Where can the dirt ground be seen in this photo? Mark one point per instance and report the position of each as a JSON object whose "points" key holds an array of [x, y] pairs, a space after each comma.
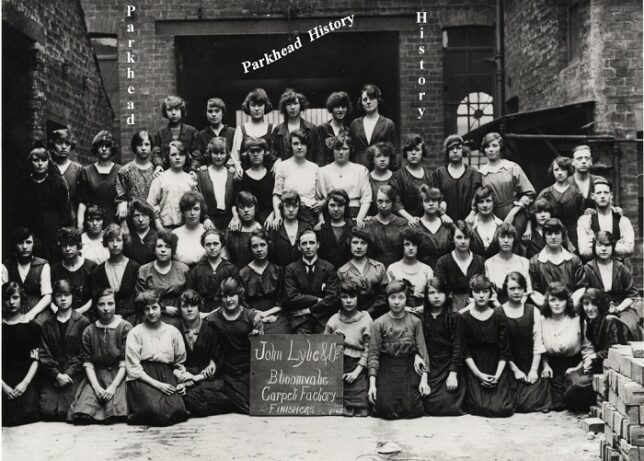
{"points": [[552, 437]]}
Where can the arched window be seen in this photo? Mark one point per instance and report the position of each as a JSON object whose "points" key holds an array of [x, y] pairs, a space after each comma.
{"points": [[474, 110]]}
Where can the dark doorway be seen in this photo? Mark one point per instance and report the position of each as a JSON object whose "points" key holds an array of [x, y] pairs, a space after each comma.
{"points": [[18, 61], [210, 66]]}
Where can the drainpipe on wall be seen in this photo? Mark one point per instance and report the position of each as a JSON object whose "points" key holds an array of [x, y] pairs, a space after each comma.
{"points": [[500, 62]]}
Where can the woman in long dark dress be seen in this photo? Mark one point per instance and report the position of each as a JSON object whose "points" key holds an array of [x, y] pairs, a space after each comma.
{"points": [[234, 324], [456, 180], [20, 342], [444, 337], [567, 349], [531, 393], [60, 355], [335, 234], [437, 235], [42, 204], [100, 397], [97, 182], [458, 267], [154, 357], [139, 246], [611, 276], [398, 360], [217, 185], [385, 228], [237, 240], [284, 240], [204, 387], [262, 281], [487, 350], [372, 127]]}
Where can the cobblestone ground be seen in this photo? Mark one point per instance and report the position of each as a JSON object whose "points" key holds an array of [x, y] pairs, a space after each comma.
{"points": [[552, 437]]}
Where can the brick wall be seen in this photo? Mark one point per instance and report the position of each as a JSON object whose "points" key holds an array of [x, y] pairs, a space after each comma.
{"points": [[608, 71], [155, 67], [67, 86]]}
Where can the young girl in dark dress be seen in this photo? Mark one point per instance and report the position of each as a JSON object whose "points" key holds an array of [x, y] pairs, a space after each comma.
{"points": [[32, 274], [458, 267], [154, 357], [20, 342], [372, 127], [237, 240], [603, 330], [263, 282], [382, 162], [613, 277], [407, 180], [140, 245], [75, 269], [487, 350], [533, 237], [456, 180], [284, 239], [256, 105], [100, 397], [257, 180], [385, 228], [443, 331], [118, 273], [335, 234], [566, 348], [355, 326], [339, 106], [398, 360], [485, 224], [234, 324], [291, 106], [206, 277], [567, 202], [97, 182], [531, 393], [42, 204], [437, 235], [60, 355], [204, 387]]}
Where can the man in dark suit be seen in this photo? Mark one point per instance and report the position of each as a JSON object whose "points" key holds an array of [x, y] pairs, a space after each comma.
{"points": [[310, 287]]}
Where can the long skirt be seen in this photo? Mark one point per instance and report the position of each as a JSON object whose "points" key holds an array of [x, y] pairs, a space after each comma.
{"points": [[632, 319], [55, 401], [24, 409], [441, 402], [532, 397], [207, 398], [151, 407], [86, 406], [355, 398], [562, 394], [236, 389], [495, 402], [397, 389]]}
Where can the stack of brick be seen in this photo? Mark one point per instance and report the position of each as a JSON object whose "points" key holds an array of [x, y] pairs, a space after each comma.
{"points": [[620, 398]]}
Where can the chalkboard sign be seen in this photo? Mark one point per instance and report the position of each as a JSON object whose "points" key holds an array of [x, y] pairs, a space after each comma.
{"points": [[296, 375]]}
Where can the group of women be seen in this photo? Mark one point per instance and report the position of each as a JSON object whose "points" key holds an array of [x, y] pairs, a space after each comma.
{"points": [[133, 291]]}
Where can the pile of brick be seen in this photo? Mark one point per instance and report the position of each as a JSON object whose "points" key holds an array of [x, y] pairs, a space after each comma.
{"points": [[620, 399]]}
